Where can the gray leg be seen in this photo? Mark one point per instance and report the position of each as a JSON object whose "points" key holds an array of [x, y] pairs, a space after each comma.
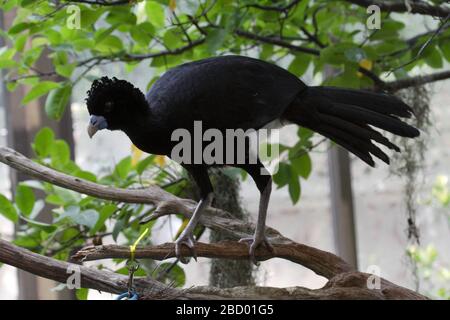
{"points": [[187, 236], [259, 237]]}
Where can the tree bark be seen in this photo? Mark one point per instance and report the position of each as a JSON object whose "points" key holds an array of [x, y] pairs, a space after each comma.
{"points": [[344, 282]]}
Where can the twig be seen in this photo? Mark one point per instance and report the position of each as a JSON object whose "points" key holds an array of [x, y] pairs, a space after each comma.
{"points": [[418, 7], [424, 46]]}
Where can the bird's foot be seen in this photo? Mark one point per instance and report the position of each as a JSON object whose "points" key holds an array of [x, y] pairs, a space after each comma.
{"points": [[254, 243], [188, 241]]}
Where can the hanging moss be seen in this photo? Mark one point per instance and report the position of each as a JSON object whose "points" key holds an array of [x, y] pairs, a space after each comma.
{"points": [[409, 163]]}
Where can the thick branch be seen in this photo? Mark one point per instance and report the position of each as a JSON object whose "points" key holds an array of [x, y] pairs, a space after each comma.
{"points": [[416, 81], [323, 263], [418, 7], [349, 285], [151, 195], [343, 283]]}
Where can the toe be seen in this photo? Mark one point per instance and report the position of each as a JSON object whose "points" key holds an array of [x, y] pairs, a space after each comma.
{"points": [[188, 242], [268, 245]]}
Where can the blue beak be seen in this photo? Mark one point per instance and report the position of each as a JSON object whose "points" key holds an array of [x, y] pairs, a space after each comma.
{"points": [[96, 123]]}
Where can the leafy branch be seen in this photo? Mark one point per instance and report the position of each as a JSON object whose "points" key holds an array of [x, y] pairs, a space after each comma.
{"points": [[344, 282]]}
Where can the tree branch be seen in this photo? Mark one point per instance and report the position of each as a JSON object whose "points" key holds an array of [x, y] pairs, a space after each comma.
{"points": [[103, 2], [321, 262], [418, 7], [416, 81], [283, 9], [346, 285], [276, 41], [344, 282]]}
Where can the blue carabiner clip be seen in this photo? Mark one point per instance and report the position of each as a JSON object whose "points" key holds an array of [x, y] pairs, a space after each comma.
{"points": [[132, 296]]}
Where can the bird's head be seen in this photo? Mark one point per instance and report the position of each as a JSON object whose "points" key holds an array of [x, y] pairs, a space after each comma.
{"points": [[114, 104]]}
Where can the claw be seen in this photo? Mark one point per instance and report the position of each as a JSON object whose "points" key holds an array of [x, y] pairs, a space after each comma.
{"points": [[254, 243], [188, 241]]}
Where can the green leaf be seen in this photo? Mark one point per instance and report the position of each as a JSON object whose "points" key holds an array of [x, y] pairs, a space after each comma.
{"points": [[40, 225], [143, 164], [118, 227], [109, 44], [294, 188], [215, 39], [123, 168], [355, 54], [142, 33], [299, 64], [43, 142], [140, 272], [86, 218], [336, 54], [25, 199], [38, 90], [83, 44], [86, 175], [62, 197], [7, 209], [155, 13], [7, 63], [82, 293], [302, 165], [65, 70], [304, 133], [57, 101], [433, 57], [445, 48], [171, 39], [19, 27], [175, 276], [60, 153], [104, 214], [282, 176]]}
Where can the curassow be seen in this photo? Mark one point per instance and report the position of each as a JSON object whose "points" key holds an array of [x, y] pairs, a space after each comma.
{"points": [[235, 92]]}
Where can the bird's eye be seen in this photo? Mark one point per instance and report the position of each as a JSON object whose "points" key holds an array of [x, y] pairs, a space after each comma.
{"points": [[108, 106]]}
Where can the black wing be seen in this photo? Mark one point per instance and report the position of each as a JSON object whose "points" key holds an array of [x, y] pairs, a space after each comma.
{"points": [[223, 92]]}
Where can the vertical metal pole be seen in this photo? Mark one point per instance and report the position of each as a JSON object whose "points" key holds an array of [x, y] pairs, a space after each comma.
{"points": [[342, 204], [342, 198]]}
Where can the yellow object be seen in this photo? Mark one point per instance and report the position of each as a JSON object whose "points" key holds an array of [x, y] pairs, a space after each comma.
{"points": [[133, 247], [160, 160], [172, 5], [366, 64], [136, 155]]}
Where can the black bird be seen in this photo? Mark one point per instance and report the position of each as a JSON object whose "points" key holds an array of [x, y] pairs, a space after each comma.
{"points": [[235, 92]]}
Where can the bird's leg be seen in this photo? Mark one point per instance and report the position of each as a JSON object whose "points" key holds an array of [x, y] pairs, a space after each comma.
{"points": [[187, 236], [259, 237]]}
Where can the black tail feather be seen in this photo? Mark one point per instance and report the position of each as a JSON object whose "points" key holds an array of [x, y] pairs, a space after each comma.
{"points": [[346, 116], [378, 102]]}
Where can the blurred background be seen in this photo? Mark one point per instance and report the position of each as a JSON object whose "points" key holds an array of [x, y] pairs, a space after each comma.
{"points": [[368, 226]]}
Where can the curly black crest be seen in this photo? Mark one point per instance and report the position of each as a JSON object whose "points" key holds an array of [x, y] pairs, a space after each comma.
{"points": [[105, 89]]}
